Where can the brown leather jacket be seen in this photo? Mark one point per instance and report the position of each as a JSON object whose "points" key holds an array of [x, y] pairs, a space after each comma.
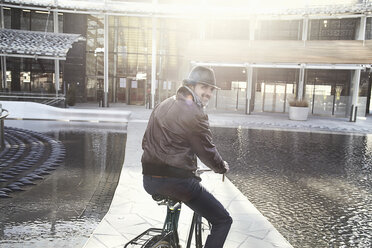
{"points": [[177, 132]]}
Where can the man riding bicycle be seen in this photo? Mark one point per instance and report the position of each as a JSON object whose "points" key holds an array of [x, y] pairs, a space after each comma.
{"points": [[177, 133]]}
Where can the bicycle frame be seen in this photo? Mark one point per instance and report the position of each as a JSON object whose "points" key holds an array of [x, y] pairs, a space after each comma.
{"points": [[168, 235], [170, 228], [152, 236]]}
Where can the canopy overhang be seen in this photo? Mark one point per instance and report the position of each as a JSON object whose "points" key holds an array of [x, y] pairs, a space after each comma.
{"points": [[285, 65], [347, 52], [36, 45]]}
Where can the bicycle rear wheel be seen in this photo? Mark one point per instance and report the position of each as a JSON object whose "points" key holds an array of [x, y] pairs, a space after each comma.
{"points": [[162, 244], [157, 242]]}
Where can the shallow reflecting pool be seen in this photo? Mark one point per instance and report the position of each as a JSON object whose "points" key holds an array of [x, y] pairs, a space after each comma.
{"points": [[64, 208], [315, 188]]}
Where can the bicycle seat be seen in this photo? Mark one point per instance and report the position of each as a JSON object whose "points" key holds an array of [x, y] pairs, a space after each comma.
{"points": [[165, 200], [158, 197]]}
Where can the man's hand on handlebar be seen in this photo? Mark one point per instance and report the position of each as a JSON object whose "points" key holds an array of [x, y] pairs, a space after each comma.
{"points": [[227, 170], [226, 166]]}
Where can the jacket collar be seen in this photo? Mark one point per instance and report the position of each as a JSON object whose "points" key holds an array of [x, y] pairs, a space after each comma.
{"points": [[184, 91]]}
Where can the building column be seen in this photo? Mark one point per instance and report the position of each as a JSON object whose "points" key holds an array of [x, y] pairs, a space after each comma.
{"points": [[202, 23], [360, 35], [301, 80], [305, 28], [56, 61], [106, 61], [16, 62], [3, 72], [355, 93], [153, 60], [252, 28], [2, 17], [3, 58], [249, 70], [301, 83], [361, 32], [115, 80]]}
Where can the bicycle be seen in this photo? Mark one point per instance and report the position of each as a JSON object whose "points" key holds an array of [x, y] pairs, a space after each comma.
{"points": [[167, 237]]}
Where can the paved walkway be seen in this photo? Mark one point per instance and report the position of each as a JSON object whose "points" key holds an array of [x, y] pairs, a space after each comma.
{"points": [[363, 125], [133, 211]]}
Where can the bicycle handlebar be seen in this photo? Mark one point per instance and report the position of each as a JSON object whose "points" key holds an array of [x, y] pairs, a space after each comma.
{"points": [[198, 172]]}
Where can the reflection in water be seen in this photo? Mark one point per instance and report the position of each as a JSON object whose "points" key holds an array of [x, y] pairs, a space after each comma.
{"points": [[314, 188], [63, 209]]}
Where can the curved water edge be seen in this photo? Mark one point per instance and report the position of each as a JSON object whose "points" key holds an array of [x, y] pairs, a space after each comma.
{"points": [[315, 188], [65, 207]]}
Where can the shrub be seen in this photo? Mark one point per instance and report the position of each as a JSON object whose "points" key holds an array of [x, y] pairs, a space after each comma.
{"points": [[299, 103]]}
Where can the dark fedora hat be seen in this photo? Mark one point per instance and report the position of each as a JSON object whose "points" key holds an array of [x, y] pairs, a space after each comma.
{"points": [[201, 75]]}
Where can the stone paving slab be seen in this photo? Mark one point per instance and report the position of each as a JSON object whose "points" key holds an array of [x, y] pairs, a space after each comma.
{"points": [[132, 210]]}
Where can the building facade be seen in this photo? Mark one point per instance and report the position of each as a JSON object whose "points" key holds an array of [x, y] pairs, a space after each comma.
{"points": [[261, 61]]}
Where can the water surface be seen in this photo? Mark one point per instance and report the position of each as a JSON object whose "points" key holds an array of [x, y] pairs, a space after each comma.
{"points": [[63, 209], [315, 188]]}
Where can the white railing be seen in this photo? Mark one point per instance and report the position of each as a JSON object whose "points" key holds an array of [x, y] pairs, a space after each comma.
{"points": [[37, 111]]}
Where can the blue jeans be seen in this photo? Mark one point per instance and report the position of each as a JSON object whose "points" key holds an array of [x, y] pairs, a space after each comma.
{"points": [[196, 197]]}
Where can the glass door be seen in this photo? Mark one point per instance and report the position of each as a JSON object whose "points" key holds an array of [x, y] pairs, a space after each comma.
{"points": [[340, 100], [274, 98], [322, 99], [268, 100], [327, 99], [279, 98], [137, 92]]}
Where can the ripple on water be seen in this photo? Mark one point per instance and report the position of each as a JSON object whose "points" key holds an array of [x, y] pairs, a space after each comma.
{"points": [[66, 233]]}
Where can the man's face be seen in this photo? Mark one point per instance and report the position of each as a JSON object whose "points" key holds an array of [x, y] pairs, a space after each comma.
{"points": [[204, 92]]}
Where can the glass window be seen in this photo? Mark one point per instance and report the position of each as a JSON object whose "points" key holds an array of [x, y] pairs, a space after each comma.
{"points": [[41, 21], [369, 29], [43, 83], [333, 29], [227, 29], [279, 30], [25, 20], [60, 22], [7, 18], [92, 86], [25, 81]]}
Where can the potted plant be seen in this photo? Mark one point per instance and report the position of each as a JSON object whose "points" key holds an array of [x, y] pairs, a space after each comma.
{"points": [[298, 110]]}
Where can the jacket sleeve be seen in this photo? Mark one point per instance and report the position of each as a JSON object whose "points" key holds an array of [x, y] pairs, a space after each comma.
{"points": [[201, 143]]}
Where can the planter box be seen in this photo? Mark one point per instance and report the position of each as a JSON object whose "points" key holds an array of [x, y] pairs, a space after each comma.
{"points": [[298, 113]]}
